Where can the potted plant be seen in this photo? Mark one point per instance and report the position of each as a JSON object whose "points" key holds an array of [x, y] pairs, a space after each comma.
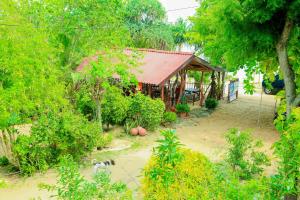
{"points": [[182, 109]]}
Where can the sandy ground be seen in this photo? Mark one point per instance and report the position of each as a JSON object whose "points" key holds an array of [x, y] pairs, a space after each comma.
{"points": [[204, 134]]}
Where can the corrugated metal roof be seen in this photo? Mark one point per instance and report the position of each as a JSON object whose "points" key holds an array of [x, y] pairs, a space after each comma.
{"points": [[156, 66]]}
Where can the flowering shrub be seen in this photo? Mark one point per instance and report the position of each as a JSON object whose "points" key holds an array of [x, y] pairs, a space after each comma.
{"points": [[177, 173]]}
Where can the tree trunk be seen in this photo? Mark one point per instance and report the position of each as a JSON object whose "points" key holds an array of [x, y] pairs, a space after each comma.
{"points": [[98, 114], [288, 73], [289, 78]]}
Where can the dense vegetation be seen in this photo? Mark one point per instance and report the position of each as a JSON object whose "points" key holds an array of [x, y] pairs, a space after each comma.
{"points": [[38, 84], [42, 42], [174, 172], [259, 36]]}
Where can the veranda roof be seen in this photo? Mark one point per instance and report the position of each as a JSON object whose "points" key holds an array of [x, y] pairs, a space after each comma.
{"points": [[157, 66]]}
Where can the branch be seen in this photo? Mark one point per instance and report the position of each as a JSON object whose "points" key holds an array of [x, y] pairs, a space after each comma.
{"points": [[296, 101]]}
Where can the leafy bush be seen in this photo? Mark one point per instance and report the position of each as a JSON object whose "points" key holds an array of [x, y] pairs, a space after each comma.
{"points": [[242, 156], [211, 103], [286, 182], [182, 108], [169, 117], [84, 103], [175, 173], [53, 136], [229, 186], [104, 140], [71, 185], [4, 161], [114, 106], [147, 112]]}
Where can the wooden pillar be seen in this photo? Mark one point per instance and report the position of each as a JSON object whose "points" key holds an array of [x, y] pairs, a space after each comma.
{"points": [[201, 89], [219, 86], [223, 84], [150, 90], [182, 85], [162, 93]]}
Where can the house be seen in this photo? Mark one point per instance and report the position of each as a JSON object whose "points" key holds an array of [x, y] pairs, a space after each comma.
{"points": [[164, 73]]}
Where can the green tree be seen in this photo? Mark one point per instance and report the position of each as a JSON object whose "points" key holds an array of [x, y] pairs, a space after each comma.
{"points": [[79, 28], [146, 20], [251, 34], [29, 77], [179, 30], [96, 76]]}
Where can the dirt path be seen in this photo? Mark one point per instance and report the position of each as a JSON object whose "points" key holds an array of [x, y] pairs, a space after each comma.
{"points": [[204, 134]]}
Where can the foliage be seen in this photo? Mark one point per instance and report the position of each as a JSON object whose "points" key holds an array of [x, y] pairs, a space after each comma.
{"points": [[114, 106], [72, 185], [229, 186], [96, 77], [2, 183], [179, 30], [175, 173], [53, 136], [78, 29], [242, 155], [182, 108], [147, 112], [251, 35], [84, 103], [146, 21], [211, 103], [104, 140], [288, 150], [169, 117], [3, 161], [29, 76]]}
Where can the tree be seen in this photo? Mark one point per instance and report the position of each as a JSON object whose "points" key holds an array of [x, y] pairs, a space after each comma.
{"points": [[30, 79], [146, 20], [254, 35], [179, 30], [79, 28], [97, 76]]}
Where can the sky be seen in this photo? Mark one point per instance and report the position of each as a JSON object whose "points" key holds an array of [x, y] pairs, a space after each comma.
{"points": [[171, 7]]}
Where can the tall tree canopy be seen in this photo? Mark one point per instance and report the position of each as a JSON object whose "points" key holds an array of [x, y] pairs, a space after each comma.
{"points": [[79, 28], [146, 20], [29, 76], [252, 34], [179, 30]]}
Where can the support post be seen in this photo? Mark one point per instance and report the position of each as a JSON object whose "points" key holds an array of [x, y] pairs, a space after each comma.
{"points": [[182, 85], [150, 90], [201, 89], [162, 93]]}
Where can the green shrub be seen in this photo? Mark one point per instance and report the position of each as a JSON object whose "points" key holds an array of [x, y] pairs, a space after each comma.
{"points": [[182, 108], [229, 186], [114, 106], [84, 103], [3, 161], [176, 173], [211, 103], [71, 185], [169, 117], [243, 156], [286, 181], [53, 136], [147, 112]]}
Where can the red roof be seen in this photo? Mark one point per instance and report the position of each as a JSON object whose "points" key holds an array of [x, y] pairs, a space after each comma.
{"points": [[155, 66]]}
